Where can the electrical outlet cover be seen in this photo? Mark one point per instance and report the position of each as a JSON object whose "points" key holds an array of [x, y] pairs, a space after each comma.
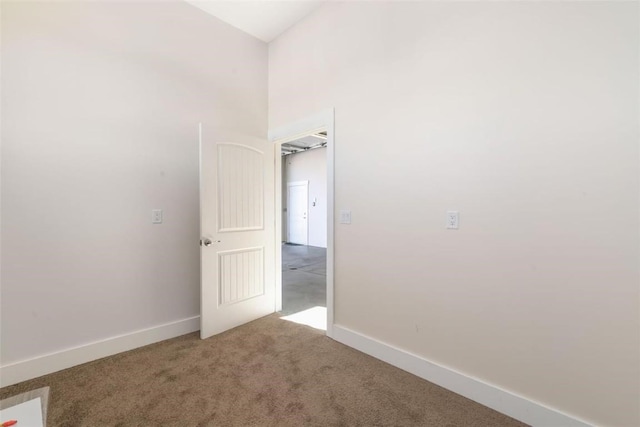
{"points": [[453, 220]]}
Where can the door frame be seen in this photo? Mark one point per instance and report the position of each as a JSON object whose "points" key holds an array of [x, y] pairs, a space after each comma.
{"points": [[321, 121], [296, 184]]}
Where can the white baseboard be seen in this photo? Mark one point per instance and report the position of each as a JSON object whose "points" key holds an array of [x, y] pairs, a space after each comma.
{"points": [[510, 404], [53, 362]]}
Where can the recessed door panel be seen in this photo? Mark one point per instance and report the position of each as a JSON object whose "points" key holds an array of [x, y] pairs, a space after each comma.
{"points": [[241, 275], [240, 188]]}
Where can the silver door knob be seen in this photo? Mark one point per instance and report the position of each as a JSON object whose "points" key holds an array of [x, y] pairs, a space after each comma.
{"points": [[207, 242]]}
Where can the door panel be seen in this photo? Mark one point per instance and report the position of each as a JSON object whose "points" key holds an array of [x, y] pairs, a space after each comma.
{"points": [[241, 275], [237, 229], [297, 206], [241, 188]]}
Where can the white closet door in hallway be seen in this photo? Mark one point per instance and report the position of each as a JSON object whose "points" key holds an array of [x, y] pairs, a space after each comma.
{"points": [[297, 212]]}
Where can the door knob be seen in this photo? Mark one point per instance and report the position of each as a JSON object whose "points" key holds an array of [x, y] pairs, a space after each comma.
{"points": [[207, 242]]}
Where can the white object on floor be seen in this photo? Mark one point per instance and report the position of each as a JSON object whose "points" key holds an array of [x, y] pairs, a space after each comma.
{"points": [[28, 414]]}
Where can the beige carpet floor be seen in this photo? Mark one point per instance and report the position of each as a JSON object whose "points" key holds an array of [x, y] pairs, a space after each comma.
{"points": [[269, 372]]}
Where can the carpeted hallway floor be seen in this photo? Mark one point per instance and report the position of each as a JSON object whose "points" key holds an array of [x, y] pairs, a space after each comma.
{"points": [[269, 372]]}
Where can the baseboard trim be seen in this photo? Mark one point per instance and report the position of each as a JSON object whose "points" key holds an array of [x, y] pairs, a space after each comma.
{"points": [[46, 364], [508, 403]]}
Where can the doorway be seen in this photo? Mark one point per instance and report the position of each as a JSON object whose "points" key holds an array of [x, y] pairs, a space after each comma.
{"points": [[305, 278], [304, 243]]}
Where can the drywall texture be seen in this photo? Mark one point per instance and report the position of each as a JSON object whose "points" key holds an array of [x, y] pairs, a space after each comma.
{"points": [[100, 109], [524, 117], [310, 166]]}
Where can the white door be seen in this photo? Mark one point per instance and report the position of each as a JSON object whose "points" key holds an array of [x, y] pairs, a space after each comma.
{"points": [[297, 208], [237, 280]]}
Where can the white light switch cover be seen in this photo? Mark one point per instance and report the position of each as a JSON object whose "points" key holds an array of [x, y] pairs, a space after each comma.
{"points": [[156, 216]]}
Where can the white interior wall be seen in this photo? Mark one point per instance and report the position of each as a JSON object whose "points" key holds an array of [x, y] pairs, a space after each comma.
{"points": [[310, 166], [100, 109], [524, 117]]}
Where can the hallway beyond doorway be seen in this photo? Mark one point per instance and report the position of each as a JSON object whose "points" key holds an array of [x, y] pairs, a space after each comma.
{"points": [[304, 278]]}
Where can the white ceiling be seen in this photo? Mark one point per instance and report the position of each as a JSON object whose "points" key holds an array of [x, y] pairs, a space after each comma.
{"points": [[264, 19]]}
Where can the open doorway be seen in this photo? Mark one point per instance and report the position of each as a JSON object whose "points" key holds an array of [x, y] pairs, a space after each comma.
{"points": [[293, 141], [304, 224]]}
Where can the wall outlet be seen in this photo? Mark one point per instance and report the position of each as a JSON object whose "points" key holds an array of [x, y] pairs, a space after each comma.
{"points": [[453, 220], [156, 216]]}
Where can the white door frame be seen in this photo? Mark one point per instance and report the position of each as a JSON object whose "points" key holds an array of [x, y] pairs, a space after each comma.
{"points": [[293, 184], [321, 121]]}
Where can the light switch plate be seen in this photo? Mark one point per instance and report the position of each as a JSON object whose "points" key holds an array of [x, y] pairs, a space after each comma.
{"points": [[156, 216], [345, 217]]}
